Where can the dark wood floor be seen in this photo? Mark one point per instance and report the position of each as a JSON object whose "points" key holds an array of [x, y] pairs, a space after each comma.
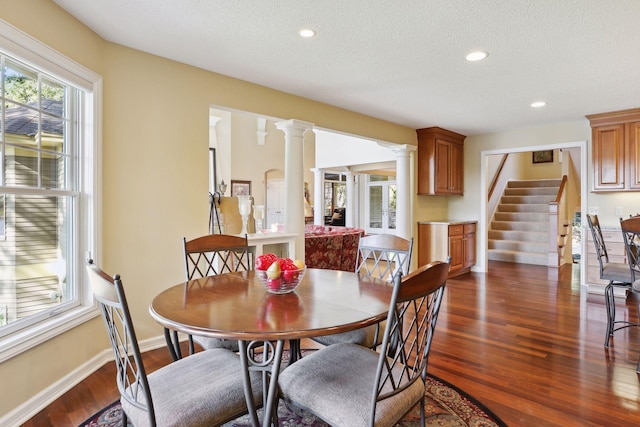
{"points": [[521, 339]]}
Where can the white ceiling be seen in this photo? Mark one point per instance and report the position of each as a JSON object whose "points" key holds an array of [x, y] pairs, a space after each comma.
{"points": [[402, 61]]}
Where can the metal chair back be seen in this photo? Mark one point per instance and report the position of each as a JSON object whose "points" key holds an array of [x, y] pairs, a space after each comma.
{"points": [[131, 376], [384, 255], [598, 241], [216, 254], [411, 324], [631, 235]]}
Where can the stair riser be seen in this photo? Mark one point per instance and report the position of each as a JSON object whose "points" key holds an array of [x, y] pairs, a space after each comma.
{"points": [[521, 216], [518, 257], [535, 226], [523, 208], [532, 191], [510, 245], [527, 200], [537, 183], [518, 236]]}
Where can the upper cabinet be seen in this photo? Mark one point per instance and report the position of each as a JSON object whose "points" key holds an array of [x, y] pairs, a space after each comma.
{"points": [[440, 162], [616, 150]]}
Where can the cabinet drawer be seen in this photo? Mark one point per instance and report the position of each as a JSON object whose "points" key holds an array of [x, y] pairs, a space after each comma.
{"points": [[456, 230], [469, 228]]}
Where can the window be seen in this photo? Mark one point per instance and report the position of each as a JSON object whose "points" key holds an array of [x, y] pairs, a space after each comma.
{"points": [[47, 191], [335, 192]]}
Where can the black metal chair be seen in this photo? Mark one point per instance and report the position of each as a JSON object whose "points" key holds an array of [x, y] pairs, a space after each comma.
{"points": [[351, 385], [381, 256], [209, 384], [631, 234], [616, 273]]}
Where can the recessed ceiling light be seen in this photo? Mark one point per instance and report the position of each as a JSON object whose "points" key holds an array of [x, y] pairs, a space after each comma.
{"points": [[476, 56], [307, 32], [538, 104]]}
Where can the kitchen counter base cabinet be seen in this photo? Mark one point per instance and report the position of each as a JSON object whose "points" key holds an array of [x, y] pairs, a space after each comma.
{"points": [[439, 240]]}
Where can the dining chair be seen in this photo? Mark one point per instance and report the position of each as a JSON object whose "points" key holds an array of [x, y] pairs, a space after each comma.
{"points": [[351, 385], [211, 255], [203, 389], [631, 235], [381, 256], [617, 273]]}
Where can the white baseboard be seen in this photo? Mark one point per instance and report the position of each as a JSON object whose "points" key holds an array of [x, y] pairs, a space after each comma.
{"points": [[42, 399], [618, 292]]}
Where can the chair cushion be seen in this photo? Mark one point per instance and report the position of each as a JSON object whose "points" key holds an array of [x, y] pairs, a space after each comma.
{"points": [[362, 336], [210, 343], [203, 389], [336, 383], [616, 271]]}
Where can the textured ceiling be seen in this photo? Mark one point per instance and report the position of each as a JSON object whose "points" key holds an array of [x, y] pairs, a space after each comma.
{"points": [[402, 61]]}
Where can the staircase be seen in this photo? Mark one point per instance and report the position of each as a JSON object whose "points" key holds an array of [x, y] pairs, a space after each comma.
{"points": [[519, 231]]}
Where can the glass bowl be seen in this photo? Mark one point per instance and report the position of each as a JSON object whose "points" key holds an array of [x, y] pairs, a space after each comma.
{"points": [[286, 282]]}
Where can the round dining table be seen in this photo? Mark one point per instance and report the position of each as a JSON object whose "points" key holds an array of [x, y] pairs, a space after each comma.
{"points": [[238, 306]]}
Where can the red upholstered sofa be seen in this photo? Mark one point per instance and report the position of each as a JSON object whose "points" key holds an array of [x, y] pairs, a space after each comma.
{"points": [[331, 247]]}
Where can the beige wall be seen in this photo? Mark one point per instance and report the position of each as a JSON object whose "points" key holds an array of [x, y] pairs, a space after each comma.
{"points": [[155, 173]]}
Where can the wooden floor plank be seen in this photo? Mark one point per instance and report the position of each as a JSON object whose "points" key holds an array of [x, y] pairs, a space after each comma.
{"points": [[521, 339]]}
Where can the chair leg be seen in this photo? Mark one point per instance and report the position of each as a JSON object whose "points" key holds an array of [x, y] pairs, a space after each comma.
{"points": [[422, 414], [125, 420], [611, 311]]}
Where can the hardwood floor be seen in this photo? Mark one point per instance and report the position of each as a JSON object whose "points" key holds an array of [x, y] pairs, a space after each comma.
{"points": [[520, 339]]}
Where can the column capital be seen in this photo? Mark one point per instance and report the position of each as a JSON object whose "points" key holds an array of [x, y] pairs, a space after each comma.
{"points": [[293, 124], [399, 150]]}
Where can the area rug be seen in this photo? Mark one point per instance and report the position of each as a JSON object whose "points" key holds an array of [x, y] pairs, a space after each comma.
{"points": [[445, 406]]}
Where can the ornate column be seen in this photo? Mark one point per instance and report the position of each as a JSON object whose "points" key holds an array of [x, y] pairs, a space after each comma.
{"points": [[350, 202], [403, 188], [318, 196], [294, 179]]}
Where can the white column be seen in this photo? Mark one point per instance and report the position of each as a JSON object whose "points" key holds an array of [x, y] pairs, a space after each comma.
{"points": [[403, 188], [294, 179], [350, 202], [318, 196]]}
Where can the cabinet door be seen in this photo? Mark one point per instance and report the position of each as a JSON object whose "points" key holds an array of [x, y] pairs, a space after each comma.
{"points": [[456, 169], [633, 164], [442, 171], [608, 157], [469, 241], [456, 252]]}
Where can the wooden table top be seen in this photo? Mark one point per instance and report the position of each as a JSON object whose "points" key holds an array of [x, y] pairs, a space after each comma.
{"points": [[237, 305]]}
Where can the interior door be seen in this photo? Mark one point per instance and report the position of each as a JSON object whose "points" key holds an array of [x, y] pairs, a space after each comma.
{"points": [[275, 202], [381, 207]]}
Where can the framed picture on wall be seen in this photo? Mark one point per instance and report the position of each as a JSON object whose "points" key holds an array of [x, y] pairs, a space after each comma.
{"points": [[240, 188], [545, 156]]}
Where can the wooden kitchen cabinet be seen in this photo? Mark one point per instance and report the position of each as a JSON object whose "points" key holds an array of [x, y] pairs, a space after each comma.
{"points": [[616, 150], [440, 162], [438, 240]]}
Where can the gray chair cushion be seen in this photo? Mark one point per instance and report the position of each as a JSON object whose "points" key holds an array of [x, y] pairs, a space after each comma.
{"points": [[617, 272], [203, 389], [210, 343], [336, 383], [362, 336]]}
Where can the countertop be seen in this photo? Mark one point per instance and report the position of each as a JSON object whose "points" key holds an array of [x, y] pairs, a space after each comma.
{"points": [[449, 222]]}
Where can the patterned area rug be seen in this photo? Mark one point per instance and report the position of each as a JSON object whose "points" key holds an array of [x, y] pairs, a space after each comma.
{"points": [[445, 405]]}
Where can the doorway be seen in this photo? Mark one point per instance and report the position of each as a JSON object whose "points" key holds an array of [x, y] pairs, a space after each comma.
{"points": [[483, 236], [380, 212]]}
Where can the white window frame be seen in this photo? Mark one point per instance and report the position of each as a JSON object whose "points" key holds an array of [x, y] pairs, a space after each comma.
{"points": [[25, 48]]}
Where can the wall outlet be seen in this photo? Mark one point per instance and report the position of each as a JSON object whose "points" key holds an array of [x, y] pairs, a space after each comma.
{"points": [[618, 211], [593, 210]]}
